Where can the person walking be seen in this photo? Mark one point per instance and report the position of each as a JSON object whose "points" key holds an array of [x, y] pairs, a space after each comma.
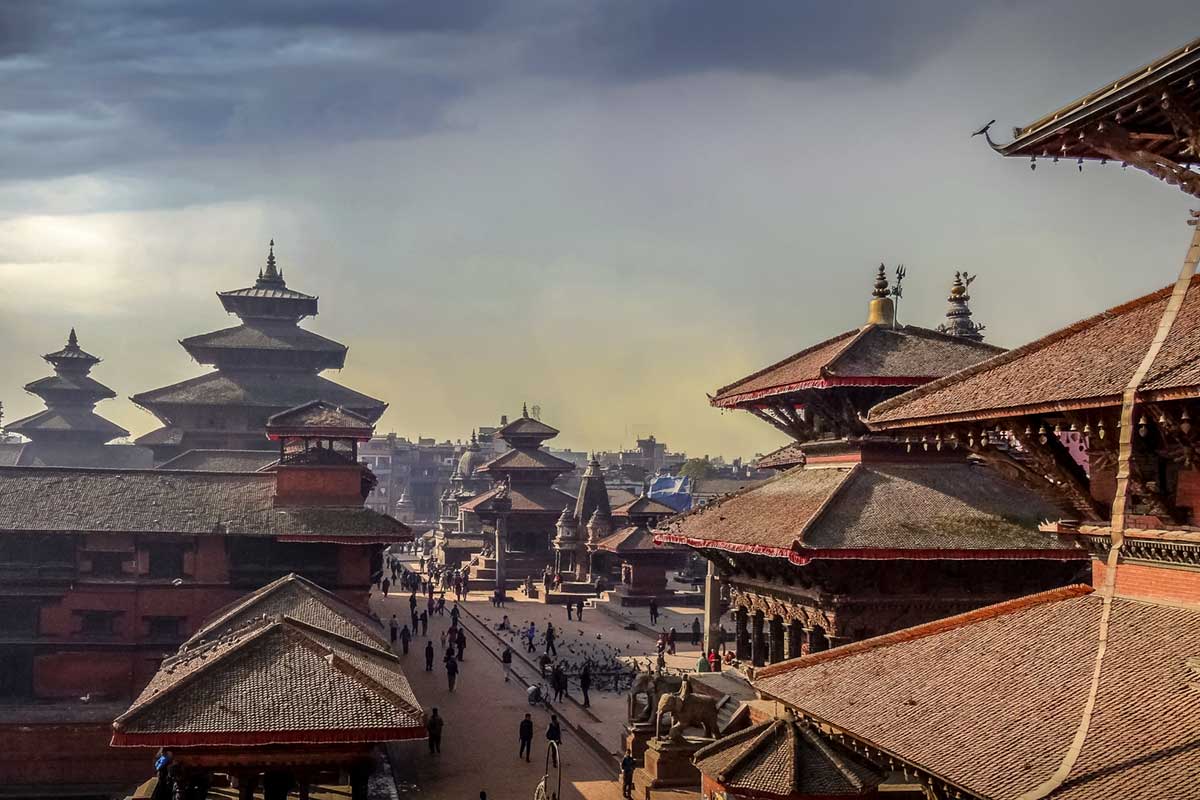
{"points": [[429, 656], [558, 681], [434, 729], [579, 610], [554, 734], [653, 611], [585, 683], [627, 767], [530, 636], [695, 631], [455, 613], [461, 642], [550, 648], [451, 669], [506, 660], [385, 585], [570, 610], [525, 735], [416, 619], [412, 602], [394, 625], [671, 641], [405, 638], [424, 624]]}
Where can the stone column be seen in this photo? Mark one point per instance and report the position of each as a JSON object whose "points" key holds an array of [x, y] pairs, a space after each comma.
{"points": [[786, 641], [712, 610], [758, 644], [741, 635], [806, 641], [501, 546]]}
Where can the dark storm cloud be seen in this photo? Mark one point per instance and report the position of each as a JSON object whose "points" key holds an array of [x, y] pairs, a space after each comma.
{"points": [[788, 38], [99, 86]]}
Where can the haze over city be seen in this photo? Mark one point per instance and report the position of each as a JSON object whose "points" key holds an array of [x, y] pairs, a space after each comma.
{"points": [[608, 211]]}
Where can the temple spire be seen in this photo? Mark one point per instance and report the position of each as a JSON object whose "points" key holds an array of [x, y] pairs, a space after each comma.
{"points": [[958, 315], [72, 341], [882, 309], [524, 410], [272, 274]]}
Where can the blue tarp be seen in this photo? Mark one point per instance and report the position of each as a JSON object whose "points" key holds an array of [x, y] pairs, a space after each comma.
{"points": [[672, 491]]}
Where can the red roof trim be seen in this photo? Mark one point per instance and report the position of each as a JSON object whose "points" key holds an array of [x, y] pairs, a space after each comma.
{"points": [[922, 631], [240, 738], [731, 547], [735, 400]]}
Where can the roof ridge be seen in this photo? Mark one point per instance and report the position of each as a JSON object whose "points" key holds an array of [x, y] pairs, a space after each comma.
{"points": [[728, 740], [781, 362], [859, 336], [927, 629], [831, 755], [828, 501], [398, 699], [932, 333], [770, 729], [1016, 353], [169, 474]]}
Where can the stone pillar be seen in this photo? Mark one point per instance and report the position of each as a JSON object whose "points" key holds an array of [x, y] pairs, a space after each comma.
{"points": [[246, 785], [806, 641], [786, 641], [741, 635], [712, 610], [778, 651], [758, 644], [501, 546]]}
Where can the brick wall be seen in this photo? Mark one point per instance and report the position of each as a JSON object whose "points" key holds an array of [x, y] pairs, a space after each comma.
{"points": [[1152, 581], [319, 486]]}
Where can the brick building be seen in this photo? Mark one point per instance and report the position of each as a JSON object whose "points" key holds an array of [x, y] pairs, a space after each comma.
{"points": [[103, 572]]}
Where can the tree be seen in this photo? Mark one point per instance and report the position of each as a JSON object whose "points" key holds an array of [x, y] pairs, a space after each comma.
{"points": [[697, 469]]}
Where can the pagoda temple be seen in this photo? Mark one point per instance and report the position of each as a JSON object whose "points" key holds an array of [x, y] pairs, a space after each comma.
{"points": [[1099, 698], [861, 534], [69, 433], [263, 366], [523, 506]]}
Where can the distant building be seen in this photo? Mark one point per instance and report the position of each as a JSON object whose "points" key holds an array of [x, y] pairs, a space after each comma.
{"points": [[420, 469], [69, 433], [99, 588], [265, 365]]}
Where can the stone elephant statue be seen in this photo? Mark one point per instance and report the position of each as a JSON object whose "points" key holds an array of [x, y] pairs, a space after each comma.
{"points": [[652, 686], [687, 710]]}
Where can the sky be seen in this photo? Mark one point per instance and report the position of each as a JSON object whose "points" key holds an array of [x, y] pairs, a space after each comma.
{"points": [[606, 209]]}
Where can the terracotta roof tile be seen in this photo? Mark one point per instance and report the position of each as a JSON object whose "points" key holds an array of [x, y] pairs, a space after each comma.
{"points": [[526, 459], [277, 681], [991, 699], [525, 498], [787, 759], [786, 457], [67, 418], [899, 356], [916, 507], [633, 539], [221, 460], [263, 335], [318, 415], [148, 501], [642, 506], [1086, 364]]}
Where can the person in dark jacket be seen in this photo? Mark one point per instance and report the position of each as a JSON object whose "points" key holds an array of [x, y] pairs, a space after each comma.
{"points": [[554, 734], [627, 767], [525, 734], [461, 642], [434, 729], [585, 683], [451, 669], [429, 656]]}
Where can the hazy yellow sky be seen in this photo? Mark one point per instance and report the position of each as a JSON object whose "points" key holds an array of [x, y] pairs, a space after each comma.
{"points": [[604, 212]]}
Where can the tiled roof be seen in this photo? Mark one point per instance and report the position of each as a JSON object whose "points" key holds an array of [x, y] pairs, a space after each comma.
{"points": [[165, 501], [318, 415], [277, 681], [268, 390], [268, 292], [67, 418], [790, 455], [525, 498], [633, 539], [785, 758], [991, 699], [525, 427], [900, 507], [164, 435], [526, 459], [643, 506], [889, 356], [10, 453], [264, 335], [69, 383], [221, 460], [1085, 365], [715, 487], [71, 454], [300, 599]]}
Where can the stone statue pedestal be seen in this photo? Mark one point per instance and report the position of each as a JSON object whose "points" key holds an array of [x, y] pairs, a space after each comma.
{"points": [[637, 737], [668, 765]]}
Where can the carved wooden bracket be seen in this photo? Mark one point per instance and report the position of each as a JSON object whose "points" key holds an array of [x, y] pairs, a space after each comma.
{"points": [[1119, 144], [1049, 457]]}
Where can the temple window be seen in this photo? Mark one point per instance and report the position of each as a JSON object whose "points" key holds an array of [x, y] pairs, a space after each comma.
{"points": [[16, 672], [18, 618], [166, 560], [98, 623], [164, 628], [107, 565]]}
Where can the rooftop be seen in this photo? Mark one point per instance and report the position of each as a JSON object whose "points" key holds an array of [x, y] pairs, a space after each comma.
{"points": [[1085, 365], [957, 698], [68, 500], [221, 460], [260, 389], [942, 510]]}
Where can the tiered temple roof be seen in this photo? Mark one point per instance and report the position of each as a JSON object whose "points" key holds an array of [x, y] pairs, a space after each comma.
{"points": [[918, 510], [526, 471], [264, 366]]}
